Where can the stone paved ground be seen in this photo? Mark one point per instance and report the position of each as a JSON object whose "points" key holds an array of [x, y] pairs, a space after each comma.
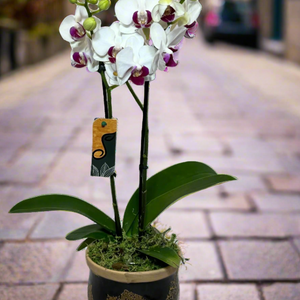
{"points": [[235, 109]]}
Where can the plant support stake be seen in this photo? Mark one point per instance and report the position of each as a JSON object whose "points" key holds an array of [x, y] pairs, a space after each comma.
{"points": [[144, 162], [108, 115]]}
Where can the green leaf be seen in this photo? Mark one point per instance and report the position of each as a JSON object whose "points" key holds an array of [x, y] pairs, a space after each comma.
{"points": [[66, 203], [167, 187], [83, 232], [84, 244], [167, 255]]}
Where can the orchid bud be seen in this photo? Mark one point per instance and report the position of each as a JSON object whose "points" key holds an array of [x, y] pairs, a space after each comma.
{"points": [[93, 1], [89, 24], [104, 4], [73, 1]]}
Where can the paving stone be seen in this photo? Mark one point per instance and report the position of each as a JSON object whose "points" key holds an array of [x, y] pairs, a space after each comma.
{"points": [[207, 200], [280, 291], [71, 169], [204, 263], [245, 183], [198, 143], [34, 262], [32, 292], [255, 225], [187, 291], [281, 183], [260, 260], [14, 140], [73, 292], [229, 127], [78, 271], [185, 224], [276, 203], [54, 136], [227, 292], [297, 243], [57, 224], [249, 146], [14, 226], [30, 168], [285, 146]]}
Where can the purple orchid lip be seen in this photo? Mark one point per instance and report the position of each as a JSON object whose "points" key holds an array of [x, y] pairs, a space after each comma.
{"points": [[138, 76], [79, 60], [191, 30], [112, 53], [169, 14], [142, 19], [169, 60], [77, 32]]}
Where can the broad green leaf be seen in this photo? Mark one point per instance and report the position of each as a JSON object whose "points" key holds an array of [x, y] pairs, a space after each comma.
{"points": [[66, 203], [167, 255], [167, 187], [84, 244], [83, 232]]}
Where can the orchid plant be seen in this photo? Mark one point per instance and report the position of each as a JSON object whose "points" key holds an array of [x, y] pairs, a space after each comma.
{"points": [[146, 37]]}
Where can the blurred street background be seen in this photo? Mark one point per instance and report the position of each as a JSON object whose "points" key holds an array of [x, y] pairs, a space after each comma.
{"points": [[233, 103]]}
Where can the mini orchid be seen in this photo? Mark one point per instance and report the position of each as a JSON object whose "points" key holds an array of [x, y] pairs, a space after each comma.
{"points": [[108, 42], [134, 62], [167, 43], [71, 28], [167, 11], [192, 10], [82, 57], [134, 14]]}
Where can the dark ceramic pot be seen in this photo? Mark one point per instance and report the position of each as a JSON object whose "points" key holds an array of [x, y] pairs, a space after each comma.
{"points": [[105, 284]]}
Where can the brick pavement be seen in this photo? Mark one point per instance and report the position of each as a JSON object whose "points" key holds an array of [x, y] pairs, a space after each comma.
{"points": [[235, 109]]}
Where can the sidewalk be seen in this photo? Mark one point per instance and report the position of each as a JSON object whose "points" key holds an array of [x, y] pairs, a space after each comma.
{"points": [[235, 109]]}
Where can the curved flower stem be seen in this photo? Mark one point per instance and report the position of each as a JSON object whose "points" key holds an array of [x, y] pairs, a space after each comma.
{"points": [[86, 5], [144, 161], [108, 115], [134, 95]]}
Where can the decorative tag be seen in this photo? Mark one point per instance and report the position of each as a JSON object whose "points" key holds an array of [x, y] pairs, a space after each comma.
{"points": [[104, 147]]}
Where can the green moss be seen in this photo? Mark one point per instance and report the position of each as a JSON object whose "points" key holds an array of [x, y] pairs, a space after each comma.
{"points": [[123, 255]]}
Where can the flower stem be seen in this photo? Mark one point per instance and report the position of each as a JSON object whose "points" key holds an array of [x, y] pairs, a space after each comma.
{"points": [[144, 161], [108, 115], [134, 95]]}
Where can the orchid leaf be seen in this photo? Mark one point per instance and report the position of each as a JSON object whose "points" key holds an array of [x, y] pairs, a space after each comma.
{"points": [[165, 254], [84, 244], [167, 187], [65, 203], [84, 232]]}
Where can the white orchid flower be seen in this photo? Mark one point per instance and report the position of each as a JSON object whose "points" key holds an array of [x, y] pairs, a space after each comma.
{"points": [[71, 29], [108, 42], [192, 11], [81, 56], [168, 43], [133, 62], [111, 74], [134, 14], [167, 11]]}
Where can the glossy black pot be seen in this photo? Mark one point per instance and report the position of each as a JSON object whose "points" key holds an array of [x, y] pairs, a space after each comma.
{"points": [[105, 284]]}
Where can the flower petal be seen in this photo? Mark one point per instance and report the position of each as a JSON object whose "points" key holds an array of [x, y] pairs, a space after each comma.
{"points": [[124, 10], [102, 40], [146, 56], [175, 36], [124, 61], [65, 26], [158, 35]]}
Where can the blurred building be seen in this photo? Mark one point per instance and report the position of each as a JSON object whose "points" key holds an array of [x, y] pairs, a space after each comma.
{"points": [[279, 28], [29, 31]]}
